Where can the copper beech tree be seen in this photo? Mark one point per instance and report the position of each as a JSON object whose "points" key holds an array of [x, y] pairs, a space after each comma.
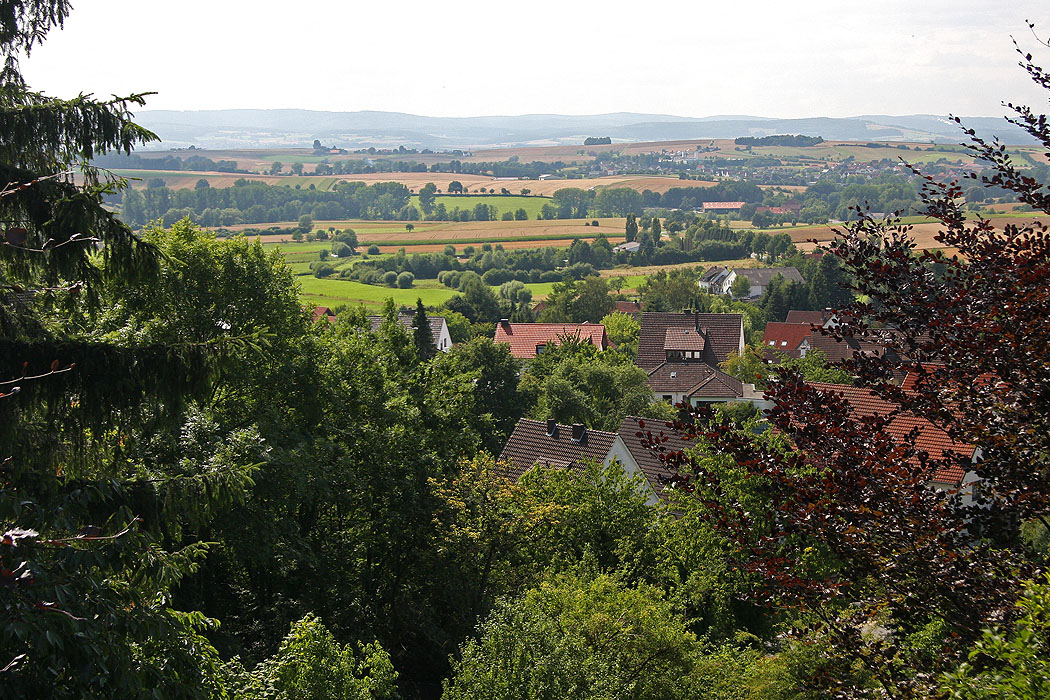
{"points": [[835, 521]]}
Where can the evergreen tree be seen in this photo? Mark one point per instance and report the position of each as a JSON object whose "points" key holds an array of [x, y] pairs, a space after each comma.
{"points": [[85, 611], [421, 333], [656, 230], [631, 230]]}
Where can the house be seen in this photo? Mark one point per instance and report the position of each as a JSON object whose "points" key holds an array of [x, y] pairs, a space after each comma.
{"points": [[324, 312], [631, 308], [681, 354], [711, 281], [568, 446], [438, 328], [723, 207], [527, 340], [759, 277], [695, 337], [864, 403], [796, 339], [696, 382], [825, 319], [627, 247]]}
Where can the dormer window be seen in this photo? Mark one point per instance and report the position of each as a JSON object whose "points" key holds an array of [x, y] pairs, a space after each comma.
{"points": [[540, 349]]}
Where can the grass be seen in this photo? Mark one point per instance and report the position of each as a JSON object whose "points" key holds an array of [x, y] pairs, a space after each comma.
{"points": [[330, 292], [532, 205]]}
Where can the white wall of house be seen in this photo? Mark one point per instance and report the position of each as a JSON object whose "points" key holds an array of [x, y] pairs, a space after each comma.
{"points": [[619, 453], [444, 339]]}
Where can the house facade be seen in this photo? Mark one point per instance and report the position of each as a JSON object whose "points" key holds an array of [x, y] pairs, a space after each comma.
{"points": [[759, 278]]}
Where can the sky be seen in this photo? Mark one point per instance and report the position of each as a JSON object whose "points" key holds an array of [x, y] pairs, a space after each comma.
{"points": [[691, 58]]}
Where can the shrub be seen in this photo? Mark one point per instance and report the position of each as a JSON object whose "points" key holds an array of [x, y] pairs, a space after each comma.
{"points": [[390, 278], [341, 250], [373, 249], [323, 269], [405, 279]]}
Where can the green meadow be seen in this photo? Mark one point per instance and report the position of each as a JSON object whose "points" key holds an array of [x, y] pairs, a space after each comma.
{"points": [[511, 203]]}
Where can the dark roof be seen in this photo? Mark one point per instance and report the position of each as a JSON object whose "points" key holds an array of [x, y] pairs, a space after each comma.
{"points": [[524, 337], [716, 273], [406, 320], [694, 379], [815, 317], [723, 335], [683, 339], [530, 443], [762, 276], [655, 469]]}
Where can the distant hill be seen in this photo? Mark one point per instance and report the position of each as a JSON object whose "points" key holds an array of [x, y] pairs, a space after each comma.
{"points": [[287, 128]]}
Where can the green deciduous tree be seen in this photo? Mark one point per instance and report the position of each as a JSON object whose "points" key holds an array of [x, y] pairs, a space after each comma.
{"points": [[574, 638]]}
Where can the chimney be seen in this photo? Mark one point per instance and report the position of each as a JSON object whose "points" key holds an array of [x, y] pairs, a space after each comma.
{"points": [[578, 433], [504, 322], [552, 427]]}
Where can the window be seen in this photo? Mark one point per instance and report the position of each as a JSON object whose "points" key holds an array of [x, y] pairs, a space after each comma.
{"points": [[540, 349]]}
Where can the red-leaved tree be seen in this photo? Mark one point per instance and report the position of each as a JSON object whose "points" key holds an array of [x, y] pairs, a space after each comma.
{"points": [[894, 578]]}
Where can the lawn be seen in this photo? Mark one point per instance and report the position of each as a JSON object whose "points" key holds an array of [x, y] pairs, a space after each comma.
{"points": [[331, 292], [531, 205]]}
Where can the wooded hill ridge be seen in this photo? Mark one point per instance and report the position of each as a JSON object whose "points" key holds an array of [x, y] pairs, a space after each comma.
{"points": [[276, 128]]}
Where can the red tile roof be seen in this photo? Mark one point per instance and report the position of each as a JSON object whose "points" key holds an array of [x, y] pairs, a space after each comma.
{"points": [[785, 336], [325, 313], [723, 334], [931, 439], [530, 443], [629, 307], [524, 338], [723, 205]]}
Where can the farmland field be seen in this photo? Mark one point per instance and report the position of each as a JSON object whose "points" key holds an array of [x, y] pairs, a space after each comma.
{"points": [[541, 233], [531, 205]]}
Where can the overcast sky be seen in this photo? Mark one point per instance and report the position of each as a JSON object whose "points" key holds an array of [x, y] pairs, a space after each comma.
{"points": [[689, 58]]}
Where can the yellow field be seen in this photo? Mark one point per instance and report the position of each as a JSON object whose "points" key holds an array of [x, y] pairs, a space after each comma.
{"points": [[433, 235], [923, 233]]}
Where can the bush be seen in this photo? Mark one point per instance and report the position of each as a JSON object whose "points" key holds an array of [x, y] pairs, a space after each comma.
{"points": [[390, 278], [551, 276], [341, 250], [323, 269], [323, 255], [373, 249], [495, 277], [405, 279], [450, 250]]}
